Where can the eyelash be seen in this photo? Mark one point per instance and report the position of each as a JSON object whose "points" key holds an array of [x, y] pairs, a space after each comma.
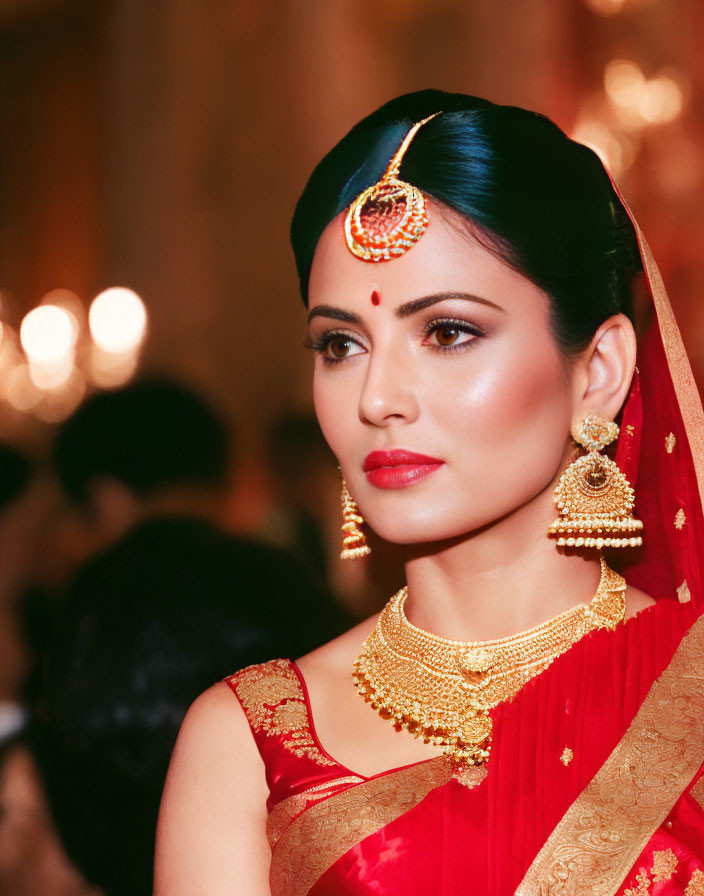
{"points": [[321, 343]]}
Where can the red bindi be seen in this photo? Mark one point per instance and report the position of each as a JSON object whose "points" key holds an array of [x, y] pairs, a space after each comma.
{"points": [[375, 298]]}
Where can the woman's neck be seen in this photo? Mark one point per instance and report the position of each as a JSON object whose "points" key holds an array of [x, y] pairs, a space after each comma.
{"points": [[499, 581]]}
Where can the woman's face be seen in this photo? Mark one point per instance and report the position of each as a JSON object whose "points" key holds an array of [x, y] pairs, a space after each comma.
{"points": [[447, 353]]}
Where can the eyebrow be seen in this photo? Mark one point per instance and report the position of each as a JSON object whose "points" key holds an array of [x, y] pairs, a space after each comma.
{"points": [[337, 313], [416, 305], [403, 311]]}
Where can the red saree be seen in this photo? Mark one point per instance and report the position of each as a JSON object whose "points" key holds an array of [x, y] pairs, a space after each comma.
{"points": [[594, 780]]}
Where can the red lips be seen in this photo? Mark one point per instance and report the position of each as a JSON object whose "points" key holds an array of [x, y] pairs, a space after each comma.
{"points": [[398, 468]]}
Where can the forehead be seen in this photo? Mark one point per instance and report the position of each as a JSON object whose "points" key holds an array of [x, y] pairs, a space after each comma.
{"points": [[447, 258]]}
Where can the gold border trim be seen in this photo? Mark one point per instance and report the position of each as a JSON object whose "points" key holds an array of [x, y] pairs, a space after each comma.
{"points": [[697, 792], [596, 843], [286, 811], [321, 835], [680, 370]]}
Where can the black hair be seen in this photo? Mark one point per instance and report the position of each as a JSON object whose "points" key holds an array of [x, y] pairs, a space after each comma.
{"points": [[146, 626], [148, 435], [541, 201]]}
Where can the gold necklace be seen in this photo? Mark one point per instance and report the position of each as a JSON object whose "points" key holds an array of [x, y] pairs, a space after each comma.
{"points": [[442, 690]]}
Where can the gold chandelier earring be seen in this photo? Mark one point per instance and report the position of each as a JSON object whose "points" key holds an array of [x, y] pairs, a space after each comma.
{"points": [[354, 541], [593, 497]]}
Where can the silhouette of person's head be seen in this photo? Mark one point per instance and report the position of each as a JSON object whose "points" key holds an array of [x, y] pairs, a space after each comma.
{"points": [[147, 625], [152, 447]]}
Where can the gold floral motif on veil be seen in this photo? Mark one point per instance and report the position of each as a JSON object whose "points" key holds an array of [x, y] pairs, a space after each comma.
{"points": [[695, 887]]}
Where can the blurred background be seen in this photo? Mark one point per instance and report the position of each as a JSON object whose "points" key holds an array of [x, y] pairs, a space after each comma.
{"points": [[151, 332], [152, 154], [161, 147]]}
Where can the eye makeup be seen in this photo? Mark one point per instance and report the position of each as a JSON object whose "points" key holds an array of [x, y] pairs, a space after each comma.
{"points": [[333, 346], [452, 330]]}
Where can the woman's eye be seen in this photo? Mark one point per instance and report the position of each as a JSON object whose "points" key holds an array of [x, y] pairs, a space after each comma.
{"points": [[338, 346], [449, 335]]}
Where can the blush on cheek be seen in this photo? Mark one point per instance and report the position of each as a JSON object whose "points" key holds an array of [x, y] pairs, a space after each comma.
{"points": [[512, 419], [532, 417]]}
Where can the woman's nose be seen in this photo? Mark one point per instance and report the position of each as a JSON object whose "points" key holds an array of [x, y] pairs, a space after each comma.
{"points": [[388, 392]]}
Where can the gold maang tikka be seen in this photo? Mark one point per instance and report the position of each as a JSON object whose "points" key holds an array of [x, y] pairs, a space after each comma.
{"points": [[386, 219], [354, 541], [593, 497]]}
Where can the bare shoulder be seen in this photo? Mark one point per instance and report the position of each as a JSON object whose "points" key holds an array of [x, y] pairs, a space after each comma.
{"points": [[214, 725], [637, 600], [212, 823]]}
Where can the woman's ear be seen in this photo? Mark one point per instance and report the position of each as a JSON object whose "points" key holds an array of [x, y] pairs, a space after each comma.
{"points": [[605, 368]]}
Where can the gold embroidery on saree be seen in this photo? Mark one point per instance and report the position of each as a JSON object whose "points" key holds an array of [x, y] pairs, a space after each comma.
{"points": [[695, 887], [600, 837], [273, 701], [642, 887], [664, 865], [321, 835], [670, 442], [697, 791], [284, 812], [680, 519]]}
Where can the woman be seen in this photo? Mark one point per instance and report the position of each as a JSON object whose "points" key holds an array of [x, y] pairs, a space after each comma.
{"points": [[557, 710]]}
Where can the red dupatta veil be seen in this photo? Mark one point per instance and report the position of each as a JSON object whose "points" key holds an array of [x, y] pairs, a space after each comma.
{"points": [[661, 451]]}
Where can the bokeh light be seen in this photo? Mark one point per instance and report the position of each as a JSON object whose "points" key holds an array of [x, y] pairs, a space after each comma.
{"points": [[20, 391], [9, 346], [606, 7], [108, 370], [641, 101], [47, 334], [614, 7], [52, 375], [617, 152], [58, 404], [70, 303], [118, 320]]}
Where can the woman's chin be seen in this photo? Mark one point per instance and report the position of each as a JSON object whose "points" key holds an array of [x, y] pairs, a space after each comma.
{"points": [[409, 533]]}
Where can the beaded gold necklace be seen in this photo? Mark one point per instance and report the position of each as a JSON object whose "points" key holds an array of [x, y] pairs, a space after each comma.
{"points": [[442, 690]]}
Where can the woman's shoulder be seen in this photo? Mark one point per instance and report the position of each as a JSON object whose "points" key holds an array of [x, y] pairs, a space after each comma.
{"points": [[246, 702], [212, 819], [215, 716]]}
